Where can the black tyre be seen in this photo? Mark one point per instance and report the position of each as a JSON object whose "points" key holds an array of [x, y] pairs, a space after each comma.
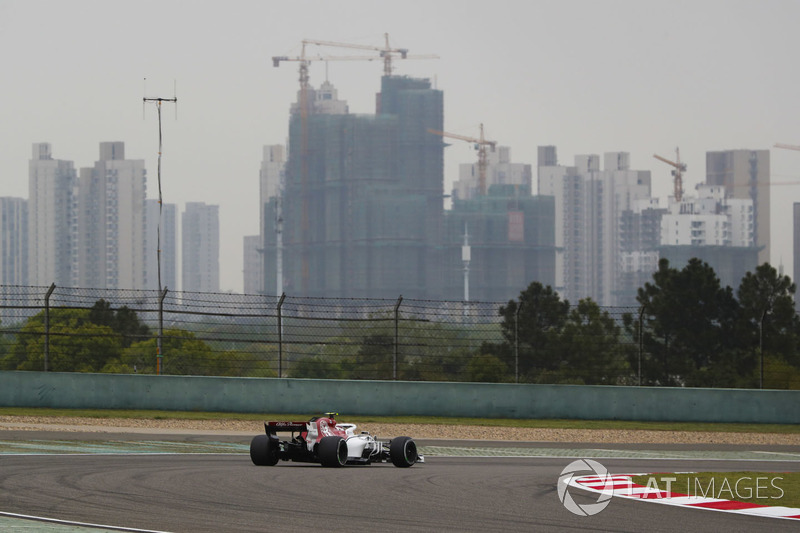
{"points": [[263, 451], [332, 451], [403, 452]]}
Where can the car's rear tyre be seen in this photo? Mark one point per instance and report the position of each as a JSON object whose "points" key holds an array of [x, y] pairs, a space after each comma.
{"points": [[403, 452], [263, 451], [332, 451]]}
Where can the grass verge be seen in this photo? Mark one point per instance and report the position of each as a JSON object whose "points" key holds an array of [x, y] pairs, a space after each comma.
{"points": [[490, 422], [762, 488]]}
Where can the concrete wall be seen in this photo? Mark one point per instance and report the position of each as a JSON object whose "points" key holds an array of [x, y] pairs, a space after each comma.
{"points": [[388, 398]]}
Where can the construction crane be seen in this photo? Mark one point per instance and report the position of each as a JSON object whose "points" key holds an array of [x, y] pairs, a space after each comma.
{"points": [[386, 52], [677, 172], [787, 146], [480, 145]]}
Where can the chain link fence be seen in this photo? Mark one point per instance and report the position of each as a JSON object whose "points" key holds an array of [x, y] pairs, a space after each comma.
{"points": [[224, 334]]}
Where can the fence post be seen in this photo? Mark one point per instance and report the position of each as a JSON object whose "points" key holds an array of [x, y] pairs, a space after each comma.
{"points": [[47, 324], [761, 347], [280, 335], [641, 342], [516, 343], [396, 335], [159, 351]]}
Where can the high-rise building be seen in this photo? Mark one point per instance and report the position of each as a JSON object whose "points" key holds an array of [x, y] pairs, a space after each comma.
{"points": [[713, 228], [200, 247], [112, 221], [13, 256], [263, 264], [745, 174], [590, 206], [363, 203], [640, 238], [253, 266], [511, 240], [499, 171], [52, 223], [796, 248], [271, 174], [168, 238], [13, 241]]}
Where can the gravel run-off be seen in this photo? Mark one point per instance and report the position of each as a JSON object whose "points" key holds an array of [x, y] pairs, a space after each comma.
{"points": [[418, 431]]}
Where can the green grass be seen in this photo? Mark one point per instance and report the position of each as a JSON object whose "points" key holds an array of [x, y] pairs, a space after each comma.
{"points": [[762, 488], [493, 422]]}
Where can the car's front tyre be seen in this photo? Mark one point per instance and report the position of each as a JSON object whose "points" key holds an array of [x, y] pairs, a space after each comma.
{"points": [[403, 452]]}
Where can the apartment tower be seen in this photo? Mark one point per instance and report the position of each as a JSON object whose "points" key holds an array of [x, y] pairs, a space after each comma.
{"points": [[200, 247], [745, 175], [112, 221], [52, 223]]}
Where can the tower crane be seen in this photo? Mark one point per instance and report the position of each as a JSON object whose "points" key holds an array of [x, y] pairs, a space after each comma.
{"points": [[386, 52], [480, 145], [787, 146], [677, 172]]}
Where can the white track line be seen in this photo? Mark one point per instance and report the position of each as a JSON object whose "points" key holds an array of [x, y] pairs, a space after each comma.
{"points": [[78, 524]]}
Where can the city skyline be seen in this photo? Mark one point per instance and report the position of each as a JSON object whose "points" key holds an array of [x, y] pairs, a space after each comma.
{"points": [[587, 77]]}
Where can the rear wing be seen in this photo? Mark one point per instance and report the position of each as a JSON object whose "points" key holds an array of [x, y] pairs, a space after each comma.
{"points": [[274, 427]]}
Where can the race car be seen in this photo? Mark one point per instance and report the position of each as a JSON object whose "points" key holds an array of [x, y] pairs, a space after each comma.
{"points": [[332, 444]]}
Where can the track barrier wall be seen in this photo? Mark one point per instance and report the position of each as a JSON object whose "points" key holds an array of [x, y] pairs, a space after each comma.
{"points": [[395, 398]]}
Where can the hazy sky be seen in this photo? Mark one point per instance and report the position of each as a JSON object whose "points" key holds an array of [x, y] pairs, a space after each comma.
{"points": [[589, 76]]}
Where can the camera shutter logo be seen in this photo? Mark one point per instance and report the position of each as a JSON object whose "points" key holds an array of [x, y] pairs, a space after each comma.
{"points": [[578, 467]]}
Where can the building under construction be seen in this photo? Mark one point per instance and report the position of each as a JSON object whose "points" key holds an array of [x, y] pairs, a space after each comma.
{"points": [[361, 214], [363, 199]]}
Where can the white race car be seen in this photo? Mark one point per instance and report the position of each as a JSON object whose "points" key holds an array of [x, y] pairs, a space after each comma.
{"points": [[328, 442]]}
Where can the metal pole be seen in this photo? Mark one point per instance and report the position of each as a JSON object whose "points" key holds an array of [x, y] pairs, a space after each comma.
{"points": [[516, 343], [47, 324], [396, 335], [162, 290], [641, 342], [158, 102], [159, 340], [280, 335], [761, 347]]}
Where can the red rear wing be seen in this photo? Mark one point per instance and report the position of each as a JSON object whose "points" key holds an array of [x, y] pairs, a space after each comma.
{"points": [[272, 427]]}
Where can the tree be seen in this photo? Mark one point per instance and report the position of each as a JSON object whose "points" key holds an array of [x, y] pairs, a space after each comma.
{"points": [[590, 347], [320, 367], [184, 354], [76, 344], [778, 374], [375, 358], [532, 325], [689, 322], [80, 340], [124, 321], [768, 317], [487, 368]]}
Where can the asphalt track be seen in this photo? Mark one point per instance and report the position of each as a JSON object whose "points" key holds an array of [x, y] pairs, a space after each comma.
{"points": [[201, 492]]}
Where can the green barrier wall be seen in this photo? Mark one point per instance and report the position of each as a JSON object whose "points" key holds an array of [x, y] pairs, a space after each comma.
{"points": [[389, 398]]}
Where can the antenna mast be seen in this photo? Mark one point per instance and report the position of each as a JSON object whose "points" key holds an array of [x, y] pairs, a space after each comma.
{"points": [[158, 102]]}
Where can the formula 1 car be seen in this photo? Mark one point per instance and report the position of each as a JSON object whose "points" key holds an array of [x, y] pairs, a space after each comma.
{"points": [[332, 444]]}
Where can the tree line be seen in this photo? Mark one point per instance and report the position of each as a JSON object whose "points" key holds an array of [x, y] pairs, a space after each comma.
{"points": [[102, 339], [688, 331]]}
